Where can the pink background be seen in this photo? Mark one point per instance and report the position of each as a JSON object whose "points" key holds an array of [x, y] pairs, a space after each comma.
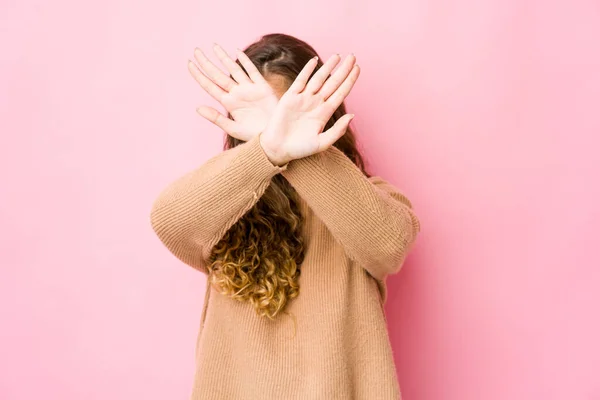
{"points": [[486, 113]]}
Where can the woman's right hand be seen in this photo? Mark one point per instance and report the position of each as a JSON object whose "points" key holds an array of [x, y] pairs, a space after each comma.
{"points": [[247, 97], [295, 129]]}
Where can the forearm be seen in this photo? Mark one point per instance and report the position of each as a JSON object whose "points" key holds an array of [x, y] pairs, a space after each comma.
{"points": [[194, 212], [374, 223]]}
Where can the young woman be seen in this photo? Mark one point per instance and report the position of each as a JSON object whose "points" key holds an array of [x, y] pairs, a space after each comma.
{"points": [[295, 237]]}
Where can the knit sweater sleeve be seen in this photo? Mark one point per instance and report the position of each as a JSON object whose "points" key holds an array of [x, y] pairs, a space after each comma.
{"points": [[193, 213], [369, 217]]}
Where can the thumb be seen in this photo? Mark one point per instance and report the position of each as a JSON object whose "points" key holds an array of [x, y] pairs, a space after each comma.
{"points": [[331, 135], [229, 126]]}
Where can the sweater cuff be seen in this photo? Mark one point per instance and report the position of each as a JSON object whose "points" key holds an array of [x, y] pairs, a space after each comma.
{"points": [[256, 160]]}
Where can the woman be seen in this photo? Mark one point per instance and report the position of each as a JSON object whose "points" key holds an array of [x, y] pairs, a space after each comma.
{"points": [[295, 237]]}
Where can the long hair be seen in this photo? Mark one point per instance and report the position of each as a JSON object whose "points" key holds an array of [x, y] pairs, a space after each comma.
{"points": [[259, 258]]}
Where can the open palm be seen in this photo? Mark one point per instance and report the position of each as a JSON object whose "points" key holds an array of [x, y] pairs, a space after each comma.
{"points": [[248, 97], [295, 129]]}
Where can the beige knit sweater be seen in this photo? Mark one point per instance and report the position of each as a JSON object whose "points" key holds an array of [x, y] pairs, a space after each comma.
{"points": [[358, 230]]}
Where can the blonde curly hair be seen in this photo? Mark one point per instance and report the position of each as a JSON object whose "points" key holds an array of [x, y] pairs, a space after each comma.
{"points": [[258, 260]]}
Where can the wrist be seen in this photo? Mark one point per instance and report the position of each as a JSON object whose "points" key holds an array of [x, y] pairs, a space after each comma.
{"points": [[271, 152]]}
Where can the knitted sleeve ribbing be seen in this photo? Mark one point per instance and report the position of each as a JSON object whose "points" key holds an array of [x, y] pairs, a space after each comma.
{"points": [[193, 213], [370, 218]]}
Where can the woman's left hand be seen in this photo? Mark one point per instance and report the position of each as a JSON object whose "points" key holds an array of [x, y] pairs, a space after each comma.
{"points": [[247, 97]]}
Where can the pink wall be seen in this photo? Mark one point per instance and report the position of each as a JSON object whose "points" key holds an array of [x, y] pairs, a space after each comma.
{"points": [[486, 113]]}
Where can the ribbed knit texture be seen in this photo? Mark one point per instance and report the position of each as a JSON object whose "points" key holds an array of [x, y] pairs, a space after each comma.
{"points": [[358, 231]]}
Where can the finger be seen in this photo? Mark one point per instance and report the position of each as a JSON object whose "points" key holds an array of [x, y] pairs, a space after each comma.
{"points": [[322, 74], [331, 135], [209, 86], [338, 77], [302, 78], [220, 120], [234, 69], [340, 94], [249, 66], [212, 71]]}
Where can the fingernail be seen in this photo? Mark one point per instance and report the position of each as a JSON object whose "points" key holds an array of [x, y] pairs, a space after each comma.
{"points": [[351, 117]]}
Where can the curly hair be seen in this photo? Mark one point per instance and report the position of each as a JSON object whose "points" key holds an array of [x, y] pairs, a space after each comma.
{"points": [[259, 258]]}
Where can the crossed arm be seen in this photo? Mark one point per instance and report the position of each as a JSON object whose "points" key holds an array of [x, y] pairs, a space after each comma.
{"points": [[369, 217]]}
